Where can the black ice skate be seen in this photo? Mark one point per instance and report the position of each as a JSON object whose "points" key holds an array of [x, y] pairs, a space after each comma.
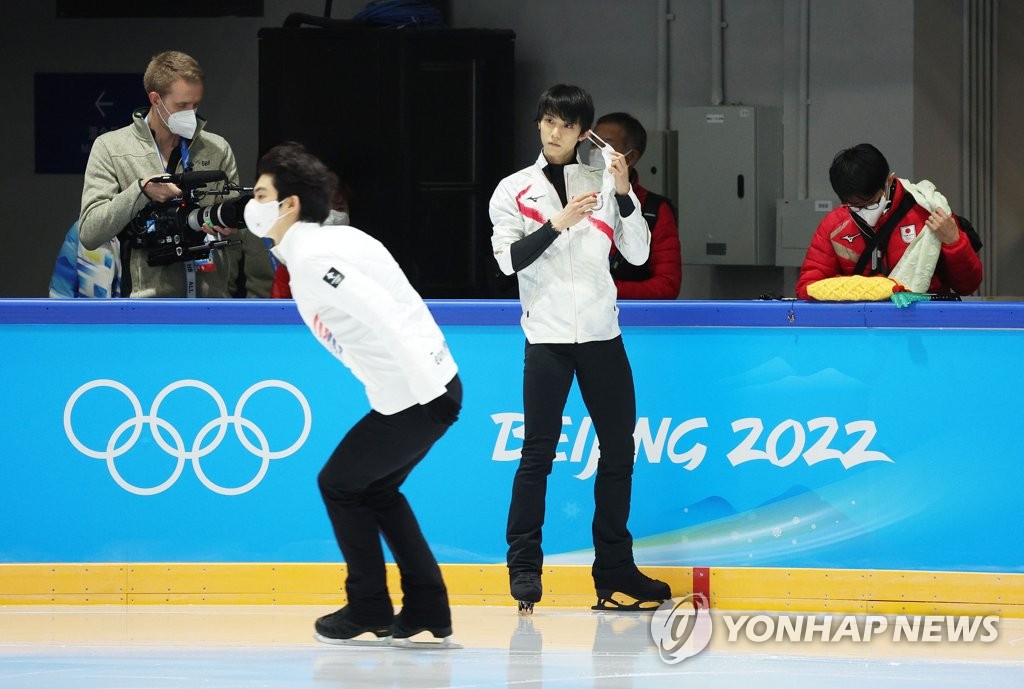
{"points": [[629, 590], [526, 589], [340, 629], [410, 634]]}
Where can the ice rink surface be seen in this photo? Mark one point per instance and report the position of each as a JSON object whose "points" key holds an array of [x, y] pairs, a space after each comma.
{"points": [[251, 647]]}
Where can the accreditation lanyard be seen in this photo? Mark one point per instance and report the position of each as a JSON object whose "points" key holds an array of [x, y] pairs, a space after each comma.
{"points": [[190, 283], [183, 144], [190, 266], [269, 243], [186, 163]]}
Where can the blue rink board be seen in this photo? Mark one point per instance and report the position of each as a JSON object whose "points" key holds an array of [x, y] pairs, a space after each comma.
{"points": [[778, 434]]}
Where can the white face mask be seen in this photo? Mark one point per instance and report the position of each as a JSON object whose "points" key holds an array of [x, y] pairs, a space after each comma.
{"points": [[338, 218], [183, 123], [601, 151], [872, 213], [261, 217]]}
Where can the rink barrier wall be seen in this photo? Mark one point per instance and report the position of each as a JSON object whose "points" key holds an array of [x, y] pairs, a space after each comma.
{"points": [[729, 588], [925, 517]]}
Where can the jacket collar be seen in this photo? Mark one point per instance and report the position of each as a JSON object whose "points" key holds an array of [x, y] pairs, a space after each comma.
{"points": [[542, 162], [282, 251]]}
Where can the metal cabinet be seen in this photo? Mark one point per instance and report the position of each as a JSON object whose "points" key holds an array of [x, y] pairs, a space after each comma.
{"points": [[730, 175]]}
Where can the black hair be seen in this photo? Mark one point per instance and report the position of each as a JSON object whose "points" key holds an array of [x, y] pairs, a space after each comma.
{"points": [[636, 135], [571, 103], [858, 172], [297, 172]]}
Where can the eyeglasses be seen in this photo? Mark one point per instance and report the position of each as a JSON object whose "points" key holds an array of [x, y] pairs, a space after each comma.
{"points": [[869, 207], [874, 205]]}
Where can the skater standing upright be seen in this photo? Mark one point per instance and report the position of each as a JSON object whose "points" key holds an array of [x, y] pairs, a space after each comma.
{"points": [[356, 300], [555, 225]]}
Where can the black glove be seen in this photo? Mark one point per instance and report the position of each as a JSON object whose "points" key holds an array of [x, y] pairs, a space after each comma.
{"points": [[443, 410]]}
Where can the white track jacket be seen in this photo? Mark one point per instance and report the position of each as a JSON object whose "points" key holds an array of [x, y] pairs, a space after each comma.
{"points": [[357, 301], [567, 294]]}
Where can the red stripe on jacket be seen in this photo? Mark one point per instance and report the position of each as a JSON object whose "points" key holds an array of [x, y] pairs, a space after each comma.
{"points": [[531, 213], [603, 227]]}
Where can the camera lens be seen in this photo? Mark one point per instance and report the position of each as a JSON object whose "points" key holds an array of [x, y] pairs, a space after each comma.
{"points": [[230, 213]]}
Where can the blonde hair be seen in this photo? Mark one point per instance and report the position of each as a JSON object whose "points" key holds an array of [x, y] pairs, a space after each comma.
{"points": [[167, 67]]}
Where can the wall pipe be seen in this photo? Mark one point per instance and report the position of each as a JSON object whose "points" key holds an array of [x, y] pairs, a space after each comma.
{"points": [[803, 96], [717, 76], [664, 17]]}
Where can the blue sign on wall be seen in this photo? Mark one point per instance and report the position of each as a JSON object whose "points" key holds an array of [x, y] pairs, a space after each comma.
{"points": [[71, 110], [835, 447]]}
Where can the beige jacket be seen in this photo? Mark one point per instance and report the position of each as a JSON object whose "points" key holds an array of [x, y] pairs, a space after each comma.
{"points": [[112, 196]]}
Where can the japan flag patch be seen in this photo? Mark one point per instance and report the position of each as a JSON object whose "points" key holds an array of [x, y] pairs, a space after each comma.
{"points": [[908, 232]]}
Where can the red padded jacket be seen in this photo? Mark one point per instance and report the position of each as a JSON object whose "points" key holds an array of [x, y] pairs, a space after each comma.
{"points": [[665, 261], [838, 243]]}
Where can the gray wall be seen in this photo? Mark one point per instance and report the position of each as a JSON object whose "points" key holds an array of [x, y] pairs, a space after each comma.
{"points": [[1009, 243], [880, 71], [938, 116]]}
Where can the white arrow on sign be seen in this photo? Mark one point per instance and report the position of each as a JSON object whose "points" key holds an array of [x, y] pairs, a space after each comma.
{"points": [[100, 101]]}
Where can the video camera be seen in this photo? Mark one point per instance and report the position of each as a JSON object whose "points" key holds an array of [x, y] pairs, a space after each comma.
{"points": [[173, 230]]}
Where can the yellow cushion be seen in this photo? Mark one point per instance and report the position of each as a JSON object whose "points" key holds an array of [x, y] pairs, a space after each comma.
{"points": [[853, 288]]}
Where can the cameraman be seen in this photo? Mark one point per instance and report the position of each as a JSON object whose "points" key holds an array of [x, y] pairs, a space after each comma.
{"points": [[124, 166]]}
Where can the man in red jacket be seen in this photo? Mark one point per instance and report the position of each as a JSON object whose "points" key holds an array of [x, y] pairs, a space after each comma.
{"points": [[880, 216], [660, 276]]}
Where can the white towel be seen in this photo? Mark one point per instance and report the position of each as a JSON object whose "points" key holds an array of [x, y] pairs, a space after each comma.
{"points": [[915, 269]]}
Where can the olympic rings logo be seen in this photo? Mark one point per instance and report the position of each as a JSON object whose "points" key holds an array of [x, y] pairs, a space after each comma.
{"points": [[177, 447]]}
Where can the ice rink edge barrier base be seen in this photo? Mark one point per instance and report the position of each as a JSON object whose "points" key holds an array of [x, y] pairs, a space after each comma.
{"points": [[876, 592]]}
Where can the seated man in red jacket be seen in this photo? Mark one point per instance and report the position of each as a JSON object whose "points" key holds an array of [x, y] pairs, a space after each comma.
{"points": [[880, 216], [660, 276]]}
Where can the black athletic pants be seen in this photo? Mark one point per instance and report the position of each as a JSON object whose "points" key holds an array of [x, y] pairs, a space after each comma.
{"points": [[606, 384], [360, 487]]}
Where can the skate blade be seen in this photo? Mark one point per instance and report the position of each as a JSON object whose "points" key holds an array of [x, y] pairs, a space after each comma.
{"points": [[621, 602], [365, 640], [525, 607], [425, 641]]}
